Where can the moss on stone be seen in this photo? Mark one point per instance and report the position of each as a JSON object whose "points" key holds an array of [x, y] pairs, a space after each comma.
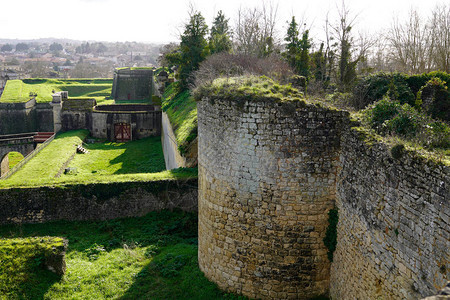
{"points": [[245, 88]]}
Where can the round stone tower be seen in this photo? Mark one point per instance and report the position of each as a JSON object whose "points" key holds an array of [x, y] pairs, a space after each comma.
{"points": [[267, 176]]}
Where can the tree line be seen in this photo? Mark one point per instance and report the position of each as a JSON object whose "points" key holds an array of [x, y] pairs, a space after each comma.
{"points": [[414, 46]]}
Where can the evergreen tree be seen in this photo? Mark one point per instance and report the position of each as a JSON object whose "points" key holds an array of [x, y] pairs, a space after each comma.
{"points": [[293, 43], [194, 47], [319, 64], [55, 47], [297, 51], [220, 40], [6, 48], [303, 57], [22, 47]]}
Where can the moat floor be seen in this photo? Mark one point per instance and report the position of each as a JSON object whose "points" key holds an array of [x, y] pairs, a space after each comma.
{"points": [[152, 257]]}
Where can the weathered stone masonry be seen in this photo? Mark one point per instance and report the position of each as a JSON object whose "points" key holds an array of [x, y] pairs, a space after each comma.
{"points": [[394, 229], [267, 175], [97, 201]]}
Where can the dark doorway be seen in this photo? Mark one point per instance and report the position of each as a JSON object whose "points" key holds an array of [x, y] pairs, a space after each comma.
{"points": [[122, 132]]}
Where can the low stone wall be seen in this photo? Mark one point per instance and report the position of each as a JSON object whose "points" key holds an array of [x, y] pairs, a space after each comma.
{"points": [[172, 156], [100, 201], [394, 229]]}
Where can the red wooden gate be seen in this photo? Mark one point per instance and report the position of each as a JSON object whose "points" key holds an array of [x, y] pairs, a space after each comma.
{"points": [[122, 132]]}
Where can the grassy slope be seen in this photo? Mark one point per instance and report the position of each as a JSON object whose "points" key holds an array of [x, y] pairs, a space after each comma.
{"points": [[21, 263], [152, 257], [46, 164], [19, 90], [182, 111]]}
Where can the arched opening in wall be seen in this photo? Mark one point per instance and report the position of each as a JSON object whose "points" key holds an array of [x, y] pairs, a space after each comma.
{"points": [[9, 160]]}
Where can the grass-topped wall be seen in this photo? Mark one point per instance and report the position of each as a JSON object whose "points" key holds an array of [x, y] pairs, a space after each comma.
{"points": [[96, 201], [42, 88]]}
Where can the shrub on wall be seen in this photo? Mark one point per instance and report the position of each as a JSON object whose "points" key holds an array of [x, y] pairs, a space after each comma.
{"points": [[391, 118], [434, 99], [397, 86], [330, 239]]}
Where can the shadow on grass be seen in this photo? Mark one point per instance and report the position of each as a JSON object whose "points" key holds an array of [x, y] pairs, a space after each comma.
{"points": [[174, 274], [166, 231], [140, 156], [35, 286]]}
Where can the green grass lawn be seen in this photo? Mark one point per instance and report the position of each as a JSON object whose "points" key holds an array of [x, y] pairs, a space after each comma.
{"points": [[14, 158], [152, 257], [181, 109], [19, 90], [140, 160], [141, 156], [22, 257]]}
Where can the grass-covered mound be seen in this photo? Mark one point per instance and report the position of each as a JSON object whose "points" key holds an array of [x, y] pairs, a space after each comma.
{"points": [[22, 265], [14, 158], [22, 90], [152, 257], [181, 109], [247, 88]]}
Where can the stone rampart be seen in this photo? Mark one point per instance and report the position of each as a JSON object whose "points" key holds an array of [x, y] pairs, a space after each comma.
{"points": [[267, 178], [394, 230]]}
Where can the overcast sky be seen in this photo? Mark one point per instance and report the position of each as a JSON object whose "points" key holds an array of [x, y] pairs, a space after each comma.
{"points": [[160, 21]]}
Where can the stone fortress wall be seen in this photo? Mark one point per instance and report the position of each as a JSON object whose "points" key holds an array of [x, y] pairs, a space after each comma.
{"points": [[25, 117], [133, 84], [269, 171], [267, 176], [394, 228]]}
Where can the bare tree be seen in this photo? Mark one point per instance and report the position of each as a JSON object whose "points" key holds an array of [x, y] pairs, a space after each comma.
{"points": [[410, 44], [255, 30], [440, 37]]}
